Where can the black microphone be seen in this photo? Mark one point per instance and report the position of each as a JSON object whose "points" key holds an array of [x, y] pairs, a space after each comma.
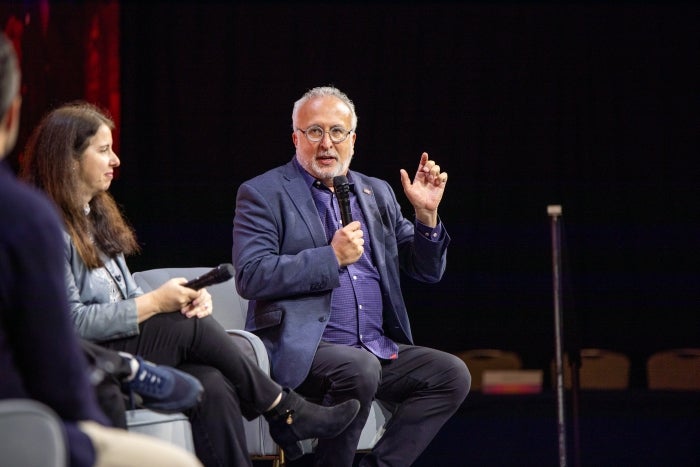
{"points": [[221, 273], [342, 191]]}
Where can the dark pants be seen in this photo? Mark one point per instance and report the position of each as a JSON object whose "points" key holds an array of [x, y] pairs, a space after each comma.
{"points": [[219, 439], [233, 384], [427, 386]]}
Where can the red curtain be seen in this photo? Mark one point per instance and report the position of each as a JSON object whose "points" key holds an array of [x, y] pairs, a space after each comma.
{"points": [[68, 51], [102, 62]]}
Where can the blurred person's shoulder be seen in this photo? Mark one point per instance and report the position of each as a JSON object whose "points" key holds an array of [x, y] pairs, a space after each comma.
{"points": [[25, 211]]}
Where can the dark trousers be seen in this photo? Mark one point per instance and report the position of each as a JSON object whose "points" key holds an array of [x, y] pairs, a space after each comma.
{"points": [[426, 386], [234, 385]]}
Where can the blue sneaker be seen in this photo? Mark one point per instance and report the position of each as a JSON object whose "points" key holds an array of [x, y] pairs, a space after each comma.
{"points": [[163, 388]]}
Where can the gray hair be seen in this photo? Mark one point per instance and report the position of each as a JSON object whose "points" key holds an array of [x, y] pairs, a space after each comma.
{"points": [[323, 91]]}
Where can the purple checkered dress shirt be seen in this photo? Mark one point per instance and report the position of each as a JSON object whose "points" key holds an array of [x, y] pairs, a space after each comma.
{"points": [[356, 306]]}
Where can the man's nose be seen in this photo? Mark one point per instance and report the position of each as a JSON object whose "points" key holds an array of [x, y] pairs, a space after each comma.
{"points": [[326, 141]]}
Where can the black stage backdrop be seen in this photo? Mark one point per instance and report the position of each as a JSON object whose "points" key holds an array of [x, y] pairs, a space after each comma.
{"points": [[593, 106]]}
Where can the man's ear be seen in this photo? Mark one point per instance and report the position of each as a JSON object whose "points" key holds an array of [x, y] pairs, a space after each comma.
{"points": [[11, 117], [9, 126], [15, 109]]}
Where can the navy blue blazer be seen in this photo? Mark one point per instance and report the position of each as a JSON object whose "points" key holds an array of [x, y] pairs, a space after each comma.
{"points": [[286, 268]]}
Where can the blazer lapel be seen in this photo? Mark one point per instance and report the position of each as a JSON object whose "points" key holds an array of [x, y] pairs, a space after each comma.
{"points": [[300, 196], [367, 201]]}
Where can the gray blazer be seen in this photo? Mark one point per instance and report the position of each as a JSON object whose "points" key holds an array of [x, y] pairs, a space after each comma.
{"points": [[287, 270], [93, 315]]}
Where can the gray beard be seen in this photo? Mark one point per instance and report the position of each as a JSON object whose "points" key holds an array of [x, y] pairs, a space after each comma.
{"points": [[324, 174]]}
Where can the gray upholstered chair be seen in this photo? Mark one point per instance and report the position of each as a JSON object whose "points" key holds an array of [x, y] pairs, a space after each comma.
{"points": [[31, 434], [230, 310]]}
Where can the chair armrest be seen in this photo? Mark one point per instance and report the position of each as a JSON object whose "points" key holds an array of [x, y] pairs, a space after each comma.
{"points": [[257, 431], [32, 434], [380, 413], [252, 346]]}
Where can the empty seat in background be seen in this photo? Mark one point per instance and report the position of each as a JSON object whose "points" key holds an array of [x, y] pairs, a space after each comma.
{"points": [[600, 369], [478, 360], [674, 369]]}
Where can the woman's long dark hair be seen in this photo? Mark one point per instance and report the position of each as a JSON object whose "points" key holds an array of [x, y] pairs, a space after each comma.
{"points": [[56, 145]]}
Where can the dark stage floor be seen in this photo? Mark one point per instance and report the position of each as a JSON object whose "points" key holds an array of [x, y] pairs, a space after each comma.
{"points": [[620, 428]]}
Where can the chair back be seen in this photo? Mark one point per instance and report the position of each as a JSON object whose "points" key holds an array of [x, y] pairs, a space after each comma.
{"points": [[229, 308], [478, 360], [600, 369], [674, 369]]}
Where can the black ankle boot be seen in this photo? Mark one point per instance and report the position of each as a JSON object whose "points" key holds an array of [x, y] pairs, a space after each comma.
{"points": [[295, 419]]}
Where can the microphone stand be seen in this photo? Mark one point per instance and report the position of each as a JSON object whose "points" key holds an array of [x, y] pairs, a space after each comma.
{"points": [[554, 211]]}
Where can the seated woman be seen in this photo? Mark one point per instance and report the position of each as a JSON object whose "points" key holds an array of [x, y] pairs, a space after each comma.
{"points": [[70, 156]]}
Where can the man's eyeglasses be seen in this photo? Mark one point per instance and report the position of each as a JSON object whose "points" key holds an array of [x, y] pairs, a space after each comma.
{"points": [[315, 133]]}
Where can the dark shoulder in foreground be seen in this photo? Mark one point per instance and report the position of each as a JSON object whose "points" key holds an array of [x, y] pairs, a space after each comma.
{"points": [[23, 209]]}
